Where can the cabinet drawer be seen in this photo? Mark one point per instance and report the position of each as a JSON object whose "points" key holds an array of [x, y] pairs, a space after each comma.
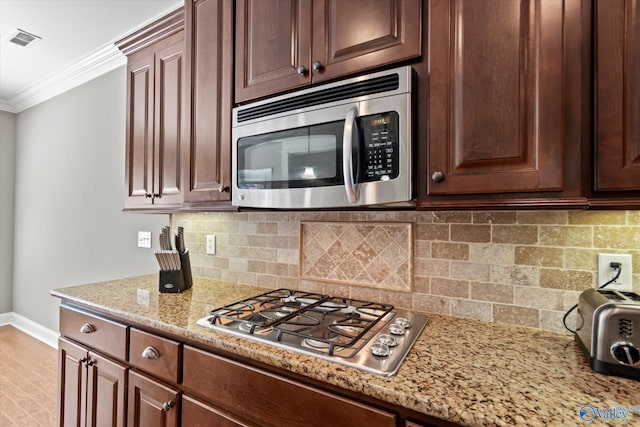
{"points": [[161, 357], [109, 337], [269, 400]]}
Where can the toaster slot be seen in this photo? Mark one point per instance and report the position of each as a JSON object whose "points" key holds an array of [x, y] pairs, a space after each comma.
{"points": [[631, 295], [611, 295]]}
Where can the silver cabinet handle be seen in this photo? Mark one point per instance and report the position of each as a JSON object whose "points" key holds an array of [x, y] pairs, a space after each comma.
{"points": [[150, 353], [87, 328], [168, 405], [437, 176], [347, 165], [317, 66], [302, 70]]}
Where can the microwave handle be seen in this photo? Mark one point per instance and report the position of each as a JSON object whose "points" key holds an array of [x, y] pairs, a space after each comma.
{"points": [[347, 163]]}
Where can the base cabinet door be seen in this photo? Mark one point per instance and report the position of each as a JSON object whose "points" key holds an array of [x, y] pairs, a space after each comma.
{"points": [[91, 388], [198, 414], [152, 404]]}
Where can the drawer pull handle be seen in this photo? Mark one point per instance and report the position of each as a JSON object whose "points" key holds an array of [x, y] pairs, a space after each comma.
{"points": [[167, 405], [150, 353], [87, 328]]}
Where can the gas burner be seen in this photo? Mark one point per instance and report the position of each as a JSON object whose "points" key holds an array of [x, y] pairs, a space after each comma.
{"points": [[322, 345], [253, 328]]}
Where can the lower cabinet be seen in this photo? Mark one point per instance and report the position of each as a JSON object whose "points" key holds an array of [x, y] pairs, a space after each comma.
{"points": [[152, 404], [113, 374], [91, 387]]}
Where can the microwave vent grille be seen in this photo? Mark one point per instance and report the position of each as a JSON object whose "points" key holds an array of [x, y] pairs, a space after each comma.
{"points": [[323, 96]]}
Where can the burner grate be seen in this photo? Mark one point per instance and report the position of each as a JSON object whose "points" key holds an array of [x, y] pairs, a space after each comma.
{"points": [[263, 311], [338, 323]]}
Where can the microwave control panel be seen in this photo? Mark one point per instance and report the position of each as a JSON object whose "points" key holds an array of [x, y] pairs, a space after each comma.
{"points": [[380, 138]]}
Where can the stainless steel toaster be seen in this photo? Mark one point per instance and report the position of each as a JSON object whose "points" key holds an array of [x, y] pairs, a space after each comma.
{"points": [[608, 330]]}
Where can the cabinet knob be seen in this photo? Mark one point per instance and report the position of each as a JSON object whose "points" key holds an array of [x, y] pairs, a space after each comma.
{"points": [[168, 405], [87, 328], [437, 176], [223, 188], [150, 353], [157, 195], [148, 195], [317, 66], [302, 70]]}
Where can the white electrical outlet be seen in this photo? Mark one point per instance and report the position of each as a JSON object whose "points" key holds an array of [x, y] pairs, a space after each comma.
{"points": [[144, 239], [211, 244], [606, 272]]}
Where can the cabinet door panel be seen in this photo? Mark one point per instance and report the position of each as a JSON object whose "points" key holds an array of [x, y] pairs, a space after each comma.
{"points": [[273, 38], [352, 35], [198, 414], [270, 400], [207, 143], [168, 109], [617, 95], [495, 96], [71, 383], [146, 403], [106, 387], [139, 154]]}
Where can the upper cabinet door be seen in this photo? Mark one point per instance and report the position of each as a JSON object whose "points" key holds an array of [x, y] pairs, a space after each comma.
{"points": [[617, 109], [273, 46], [140, 112], [169, 83], [495, 101], [353, 35], [207, 128]]}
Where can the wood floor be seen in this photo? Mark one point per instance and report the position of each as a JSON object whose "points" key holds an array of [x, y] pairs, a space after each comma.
{"points": [[27, 380]]}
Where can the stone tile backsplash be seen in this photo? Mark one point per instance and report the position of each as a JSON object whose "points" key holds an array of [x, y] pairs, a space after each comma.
{"points": [[373, 254], [515, 267]]}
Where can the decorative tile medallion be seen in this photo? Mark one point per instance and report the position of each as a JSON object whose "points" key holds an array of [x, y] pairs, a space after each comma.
{"points": [[373, 254]]}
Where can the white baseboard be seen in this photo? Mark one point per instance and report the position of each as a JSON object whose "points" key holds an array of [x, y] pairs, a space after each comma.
{"points": [[30, 327]]}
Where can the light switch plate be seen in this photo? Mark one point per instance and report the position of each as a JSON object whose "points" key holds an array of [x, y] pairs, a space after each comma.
{"points": [[211, 244]]}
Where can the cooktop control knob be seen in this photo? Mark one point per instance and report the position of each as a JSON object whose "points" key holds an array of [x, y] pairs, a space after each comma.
{"points": [[625, 353], [404, 322], [379, 349], [396, 329]]}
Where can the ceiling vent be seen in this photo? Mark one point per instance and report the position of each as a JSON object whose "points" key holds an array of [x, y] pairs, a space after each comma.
{"points": [[23, 38]]}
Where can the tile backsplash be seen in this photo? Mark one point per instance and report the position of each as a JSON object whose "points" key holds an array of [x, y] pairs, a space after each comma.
{"points": [[515, 267]]}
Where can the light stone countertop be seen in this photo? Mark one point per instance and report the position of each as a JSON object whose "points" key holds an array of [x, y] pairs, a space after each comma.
{"points": [[465, 371]]}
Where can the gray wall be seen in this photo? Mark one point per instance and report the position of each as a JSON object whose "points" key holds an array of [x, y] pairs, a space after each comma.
{"points": [[69, 224], [7, 182]]}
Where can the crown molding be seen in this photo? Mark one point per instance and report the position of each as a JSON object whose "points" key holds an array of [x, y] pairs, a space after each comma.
{"points": [[95, 64], [5, 106]]}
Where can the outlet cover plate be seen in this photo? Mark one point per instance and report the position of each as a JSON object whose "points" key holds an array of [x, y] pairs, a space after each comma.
{"points": [[606, 273], [144, 239]]}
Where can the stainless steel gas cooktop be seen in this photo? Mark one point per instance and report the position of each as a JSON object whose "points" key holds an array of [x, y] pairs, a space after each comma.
{"points": [[365, 335]]}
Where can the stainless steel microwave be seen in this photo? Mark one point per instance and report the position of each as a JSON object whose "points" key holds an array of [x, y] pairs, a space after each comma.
{"points": [[343, 144]]}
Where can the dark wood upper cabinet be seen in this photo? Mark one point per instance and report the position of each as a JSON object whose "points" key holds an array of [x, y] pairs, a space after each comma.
{"points": [[206, 146], [155, 91], [286, 44], [617, 97], [496, 114]]}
